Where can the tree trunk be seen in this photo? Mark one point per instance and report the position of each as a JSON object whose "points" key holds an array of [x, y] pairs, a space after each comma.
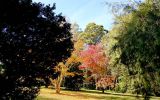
{"points": [[57, 88], [102, 90], [56, 84]]}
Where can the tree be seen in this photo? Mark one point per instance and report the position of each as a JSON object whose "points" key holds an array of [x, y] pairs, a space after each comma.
{"points": [[75, 30], [62, 70], [69, 71], [93, 33], [94, 62], [94, 59], [74, 82], [106, 82], [137, 42], [33, 39]]}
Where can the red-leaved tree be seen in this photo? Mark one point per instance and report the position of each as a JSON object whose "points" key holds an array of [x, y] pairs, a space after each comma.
{"points": [[94, 59]]}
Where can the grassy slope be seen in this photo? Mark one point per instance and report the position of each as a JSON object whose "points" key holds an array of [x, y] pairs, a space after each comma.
{"points": [[49, 94]]}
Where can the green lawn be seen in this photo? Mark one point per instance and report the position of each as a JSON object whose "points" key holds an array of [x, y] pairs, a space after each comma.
{"points": [[49, 94]]}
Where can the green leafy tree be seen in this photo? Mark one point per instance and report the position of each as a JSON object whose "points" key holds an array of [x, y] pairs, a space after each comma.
{"points": [[93, 33], [32, 40], [135, 43]]}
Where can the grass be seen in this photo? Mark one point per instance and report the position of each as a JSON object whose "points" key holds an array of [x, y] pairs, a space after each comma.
{"points": [[49, 94]]}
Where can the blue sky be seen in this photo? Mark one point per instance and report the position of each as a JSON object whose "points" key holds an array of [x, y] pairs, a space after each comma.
{"points": [[85, 11]]}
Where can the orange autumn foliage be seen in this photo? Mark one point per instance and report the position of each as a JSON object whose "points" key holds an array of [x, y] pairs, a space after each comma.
{"points": [[94, 59]]}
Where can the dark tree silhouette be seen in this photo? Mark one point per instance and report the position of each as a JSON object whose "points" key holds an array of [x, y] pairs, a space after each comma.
{"points": [[74, 82], [33, 39]]}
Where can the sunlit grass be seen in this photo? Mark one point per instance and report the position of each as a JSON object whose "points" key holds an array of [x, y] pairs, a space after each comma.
{"points": [[49, 94]]}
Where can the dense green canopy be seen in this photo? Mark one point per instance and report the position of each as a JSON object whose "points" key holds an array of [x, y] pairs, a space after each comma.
{"points": [[32, 40], [93, 33], [135, 43]]}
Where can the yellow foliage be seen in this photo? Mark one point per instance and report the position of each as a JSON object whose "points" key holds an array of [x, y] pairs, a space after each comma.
{"points": [[63, 69], [78, 45]]}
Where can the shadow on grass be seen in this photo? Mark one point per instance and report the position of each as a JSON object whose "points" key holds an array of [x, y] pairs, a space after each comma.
{"points": [[78, 94], [117, 94], [110, 96], [89, 94], [75, 94], [85, 96], [43, 98]]}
